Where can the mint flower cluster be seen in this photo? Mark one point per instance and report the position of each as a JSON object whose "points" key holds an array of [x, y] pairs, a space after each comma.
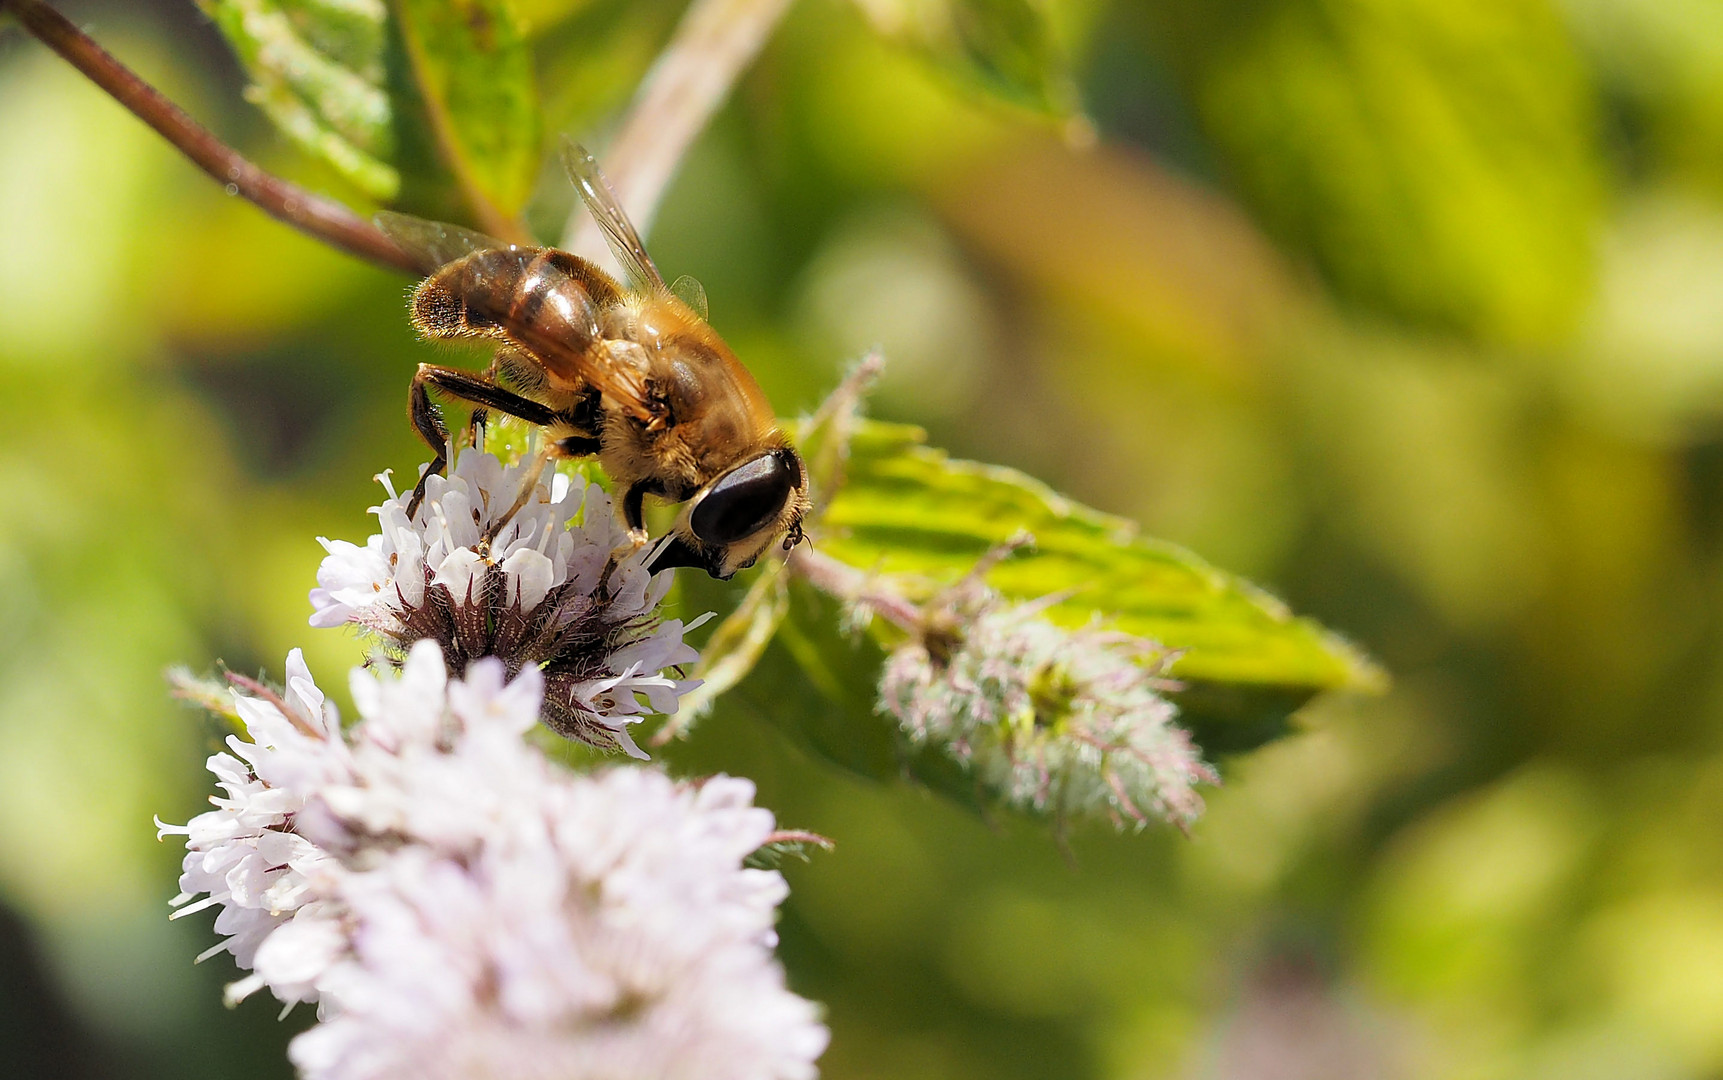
{"points": [[1066, 722], [500, 561], [456, 905]]}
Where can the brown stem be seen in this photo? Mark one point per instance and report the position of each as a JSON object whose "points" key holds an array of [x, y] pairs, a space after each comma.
{"points": [[325, 219], [800, 836], [715, 40], [843, 581]]}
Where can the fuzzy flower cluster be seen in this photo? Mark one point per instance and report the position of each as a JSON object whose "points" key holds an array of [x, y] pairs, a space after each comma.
{"points": [[1058, 721], [498, 561], [458, 906]]}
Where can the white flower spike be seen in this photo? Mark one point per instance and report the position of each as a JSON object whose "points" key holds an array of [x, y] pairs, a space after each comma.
{"points": [[1053, 720], [529, 588], [458, 906]]}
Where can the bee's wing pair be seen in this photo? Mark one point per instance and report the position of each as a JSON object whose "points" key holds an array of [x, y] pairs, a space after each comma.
{"points": [[436, 244]]}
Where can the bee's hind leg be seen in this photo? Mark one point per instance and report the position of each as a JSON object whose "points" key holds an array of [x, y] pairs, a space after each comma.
{"points": [[480, 415], [428, 422], [462, 386]]}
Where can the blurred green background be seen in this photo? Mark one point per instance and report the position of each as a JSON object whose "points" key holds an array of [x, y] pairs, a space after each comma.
{"points": [[1411, 310]]}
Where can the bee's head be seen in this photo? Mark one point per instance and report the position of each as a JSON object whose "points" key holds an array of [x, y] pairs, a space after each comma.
{"points": [[731, 521]]}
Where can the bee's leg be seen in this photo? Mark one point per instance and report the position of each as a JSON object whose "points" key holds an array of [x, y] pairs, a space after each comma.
{"points": [[634, 509], [476, 422], [463, 386], [429, 424], [633, 516]]}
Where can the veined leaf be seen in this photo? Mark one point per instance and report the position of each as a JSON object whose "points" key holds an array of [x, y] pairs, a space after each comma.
{"points": [[1005, 46], [317, 70], [910, 511], [470, 65]]}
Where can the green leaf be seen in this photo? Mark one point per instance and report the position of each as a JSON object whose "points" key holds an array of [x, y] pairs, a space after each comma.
{"points": [[317, 71], [912, 512], [785, 845], [1437, 159], [470, 66], [1007, 47]]}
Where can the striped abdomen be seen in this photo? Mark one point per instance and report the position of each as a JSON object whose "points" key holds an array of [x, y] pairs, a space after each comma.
{"points": [[544, 301]]}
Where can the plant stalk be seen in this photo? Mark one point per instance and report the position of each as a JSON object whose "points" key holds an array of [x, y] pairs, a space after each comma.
{"points": [[324, 219], [715, 41]]}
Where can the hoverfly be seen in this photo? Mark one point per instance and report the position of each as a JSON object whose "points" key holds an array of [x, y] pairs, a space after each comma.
{"points": [[633, 376]]}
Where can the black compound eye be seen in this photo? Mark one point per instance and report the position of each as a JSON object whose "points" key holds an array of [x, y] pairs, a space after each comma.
{"points": [[743, 501]]}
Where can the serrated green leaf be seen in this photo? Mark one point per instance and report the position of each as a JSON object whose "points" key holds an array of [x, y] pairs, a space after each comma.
{"points": [[1437, 159], [307, 129], [472, 70], [349, 32], [317, 71], [910, 511], [1005, 46]]}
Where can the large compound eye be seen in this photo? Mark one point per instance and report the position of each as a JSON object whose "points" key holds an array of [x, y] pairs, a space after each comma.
{"points": [[743, 501]]}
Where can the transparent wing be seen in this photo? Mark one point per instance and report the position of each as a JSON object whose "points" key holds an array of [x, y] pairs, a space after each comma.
{"points": [[618, 230], [434, 244], [691, 292]]}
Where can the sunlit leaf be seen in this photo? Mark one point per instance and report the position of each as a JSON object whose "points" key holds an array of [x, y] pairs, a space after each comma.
{"points": [[317, 70], [470, 66], [909, 511]]}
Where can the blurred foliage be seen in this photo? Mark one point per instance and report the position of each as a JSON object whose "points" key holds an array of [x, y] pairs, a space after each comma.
{"points": [[1484, 439], [1008, 47], [1436, 158], [317, 71]]}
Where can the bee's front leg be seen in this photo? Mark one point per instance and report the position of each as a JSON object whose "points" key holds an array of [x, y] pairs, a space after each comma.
{"points": [[634, 517], [634, 510]]}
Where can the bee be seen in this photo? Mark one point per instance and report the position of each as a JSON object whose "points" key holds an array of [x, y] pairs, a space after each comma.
{"points": [[631, 375]]}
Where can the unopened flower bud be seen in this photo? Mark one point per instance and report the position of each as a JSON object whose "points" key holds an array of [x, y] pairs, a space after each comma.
{"points": [[1054, 720]]}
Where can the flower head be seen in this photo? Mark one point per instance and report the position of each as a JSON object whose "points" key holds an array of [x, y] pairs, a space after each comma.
{"points": [[498, 561], [468, 908], [245, 854], [1054, 720]]}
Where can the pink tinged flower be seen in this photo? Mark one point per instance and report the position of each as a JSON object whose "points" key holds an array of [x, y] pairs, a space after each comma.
{"points": [[534, 588], [1051, 720], [245, 855], [464, 907]]}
